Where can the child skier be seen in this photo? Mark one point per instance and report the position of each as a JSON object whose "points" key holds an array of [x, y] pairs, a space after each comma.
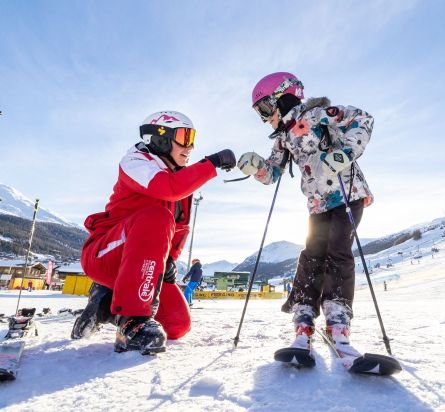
{"points": [[324, 141], [194, 279], [133, 245]]}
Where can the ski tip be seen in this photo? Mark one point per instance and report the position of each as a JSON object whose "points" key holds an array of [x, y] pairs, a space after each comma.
{"points": [[6, 375], [371, 363], [295, 356]]}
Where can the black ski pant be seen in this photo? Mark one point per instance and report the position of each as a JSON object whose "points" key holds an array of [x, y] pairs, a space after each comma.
{"points": [[326, 267]]}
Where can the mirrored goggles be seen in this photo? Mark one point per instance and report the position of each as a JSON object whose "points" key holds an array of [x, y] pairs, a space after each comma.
{"points": [[265, 107], [184, 136]]}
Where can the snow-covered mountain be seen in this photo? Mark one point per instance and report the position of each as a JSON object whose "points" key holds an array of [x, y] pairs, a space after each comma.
{"points": [[383, 265], [275, 252], [15, 203], [277, 259], [208, 269]]}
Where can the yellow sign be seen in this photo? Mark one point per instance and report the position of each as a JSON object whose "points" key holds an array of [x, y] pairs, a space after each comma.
{"points": [[221, 294]]}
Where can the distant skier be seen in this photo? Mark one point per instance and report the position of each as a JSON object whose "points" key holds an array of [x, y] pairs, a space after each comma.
{"points": [[194, 279], [288, 289], [134, 243], [323, 140]]}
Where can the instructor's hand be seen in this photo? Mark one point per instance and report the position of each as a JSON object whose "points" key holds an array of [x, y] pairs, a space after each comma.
{"points": [[250, 162], [225, 159]]}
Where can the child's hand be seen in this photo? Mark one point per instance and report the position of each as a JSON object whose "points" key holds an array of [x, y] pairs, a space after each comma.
{"points": [[250, 162], [335, 161]]}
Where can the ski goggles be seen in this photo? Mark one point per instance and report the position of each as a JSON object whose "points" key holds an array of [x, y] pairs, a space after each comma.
{"points": [[265, 107], [184, 136]]}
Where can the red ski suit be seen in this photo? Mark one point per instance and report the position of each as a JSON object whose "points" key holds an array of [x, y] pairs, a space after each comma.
{"points": [[145, 221]]}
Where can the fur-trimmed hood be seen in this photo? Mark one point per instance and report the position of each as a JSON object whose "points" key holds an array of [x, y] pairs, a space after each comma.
{"points": [[302, 108], [313, 102]]}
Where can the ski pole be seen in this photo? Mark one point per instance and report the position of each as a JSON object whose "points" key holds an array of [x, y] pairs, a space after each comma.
{"points": [[365, 267], [31, 235], [236, 339]]}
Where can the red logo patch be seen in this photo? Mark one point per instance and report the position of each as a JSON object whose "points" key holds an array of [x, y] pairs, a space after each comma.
{"points": [[332, 111]]}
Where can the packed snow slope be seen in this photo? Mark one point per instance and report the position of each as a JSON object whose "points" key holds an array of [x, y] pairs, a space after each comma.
{"points": [[202, 371]]}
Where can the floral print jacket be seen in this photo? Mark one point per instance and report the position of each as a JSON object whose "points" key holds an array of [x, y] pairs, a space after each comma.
{"points": [[303, 136]]}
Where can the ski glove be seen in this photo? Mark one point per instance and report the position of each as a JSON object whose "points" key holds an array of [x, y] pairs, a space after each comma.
{"points": [[249, 163], [225, 159], [170, 271], [335, 161]]}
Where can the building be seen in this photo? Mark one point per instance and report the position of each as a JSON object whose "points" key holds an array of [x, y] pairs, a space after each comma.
{"points": [[230, 280], [74, 280], [12, 272], [69, 269]]}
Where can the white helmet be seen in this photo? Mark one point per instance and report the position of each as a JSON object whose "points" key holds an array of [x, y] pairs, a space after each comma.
{"points": [[170, 119], [157, 130]]}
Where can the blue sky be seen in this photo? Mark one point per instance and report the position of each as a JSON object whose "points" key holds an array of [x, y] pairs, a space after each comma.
{"points": [[77, 79]]}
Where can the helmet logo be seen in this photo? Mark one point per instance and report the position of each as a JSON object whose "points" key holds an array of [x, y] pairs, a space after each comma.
{"points": [[165, 118], [161, 130]]}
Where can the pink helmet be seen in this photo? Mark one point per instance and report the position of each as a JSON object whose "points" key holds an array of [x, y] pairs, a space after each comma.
{"points": [[277, 84]]}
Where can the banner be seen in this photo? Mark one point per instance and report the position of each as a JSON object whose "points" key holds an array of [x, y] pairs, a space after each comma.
{"points": [[49, 273]]}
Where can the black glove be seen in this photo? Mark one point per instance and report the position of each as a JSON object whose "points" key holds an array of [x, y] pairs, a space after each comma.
{"points": [[170, 271], [225, 159]]}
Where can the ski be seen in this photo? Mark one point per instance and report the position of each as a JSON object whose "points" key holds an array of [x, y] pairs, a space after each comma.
{"points": [[368, 363], [11, 348], [301, 358], [10, 354]]}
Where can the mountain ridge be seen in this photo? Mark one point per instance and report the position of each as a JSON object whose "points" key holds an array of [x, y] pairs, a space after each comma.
{"points": [[64, 240], [15, 203]]}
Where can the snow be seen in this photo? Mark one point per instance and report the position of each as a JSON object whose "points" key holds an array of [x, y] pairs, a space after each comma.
{"points": [[406, 252], [202, 371], [75, 267]]}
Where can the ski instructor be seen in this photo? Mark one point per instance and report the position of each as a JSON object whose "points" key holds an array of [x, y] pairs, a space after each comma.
{"points": [[133, 245], [323, 141]]}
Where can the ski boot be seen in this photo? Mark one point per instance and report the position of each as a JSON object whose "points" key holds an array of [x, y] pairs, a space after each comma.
{"points": [[338, 320], [299, 354], [22, 324], [304, 326], [140, 333], [95, 313]]}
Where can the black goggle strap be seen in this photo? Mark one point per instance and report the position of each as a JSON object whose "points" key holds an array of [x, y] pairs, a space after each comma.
{"points": [[157, 130]]}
